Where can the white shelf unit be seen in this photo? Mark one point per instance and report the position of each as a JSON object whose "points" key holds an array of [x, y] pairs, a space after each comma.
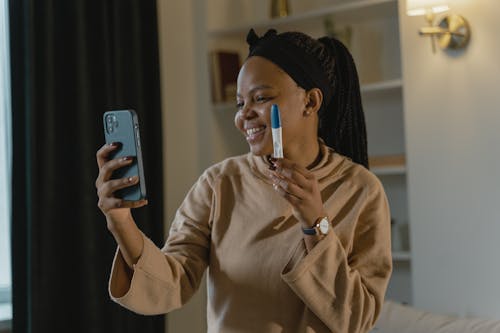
{"points": [[401, 256], [373, 23], [349, 9], [376, 50]]}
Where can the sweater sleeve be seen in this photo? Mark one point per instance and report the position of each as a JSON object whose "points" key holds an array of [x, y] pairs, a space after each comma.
{"points": [[164, 279], [346, 290]]}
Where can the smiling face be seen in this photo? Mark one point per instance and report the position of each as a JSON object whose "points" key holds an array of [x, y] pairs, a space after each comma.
{"points": [[261, 84]]}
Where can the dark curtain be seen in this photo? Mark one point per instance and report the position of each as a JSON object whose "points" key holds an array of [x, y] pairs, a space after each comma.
{"points": [[72, 61]]}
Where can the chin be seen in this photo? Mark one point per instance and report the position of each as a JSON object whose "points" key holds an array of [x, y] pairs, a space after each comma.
{"points": [[259, 151]]}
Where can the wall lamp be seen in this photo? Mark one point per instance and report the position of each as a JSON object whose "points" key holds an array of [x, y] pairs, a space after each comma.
{"points": [[452, 31]]}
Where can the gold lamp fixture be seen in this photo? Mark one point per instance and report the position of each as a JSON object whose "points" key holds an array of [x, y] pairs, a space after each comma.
{"points": [[452, 31]]}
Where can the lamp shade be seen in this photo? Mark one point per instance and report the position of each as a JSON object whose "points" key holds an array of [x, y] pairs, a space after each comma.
{"points": [[422, 7]]}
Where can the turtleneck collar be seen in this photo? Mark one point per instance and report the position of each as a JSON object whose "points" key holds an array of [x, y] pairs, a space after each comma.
{"points": [[329, 164]]}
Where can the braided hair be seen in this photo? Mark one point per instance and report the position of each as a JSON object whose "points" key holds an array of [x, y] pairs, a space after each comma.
{"points": [[341, 117]]}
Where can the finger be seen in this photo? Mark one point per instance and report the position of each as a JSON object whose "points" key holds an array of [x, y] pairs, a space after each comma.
{"points": [[102, 155], [288, 196], [286, 163], [109, 167], [288, 186], [293, 176], [134, 204], [106, 204], [116, 203], [294, 173], [108, 188]]}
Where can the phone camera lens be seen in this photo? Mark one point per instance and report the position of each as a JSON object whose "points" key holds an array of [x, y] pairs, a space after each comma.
{"points": [[111, 123]]}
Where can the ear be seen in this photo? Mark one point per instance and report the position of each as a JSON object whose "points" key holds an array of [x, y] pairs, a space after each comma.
{"points": [[314, 98]]}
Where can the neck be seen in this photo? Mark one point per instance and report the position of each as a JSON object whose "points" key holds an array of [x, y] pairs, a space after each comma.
{"points": [[307, 155]]}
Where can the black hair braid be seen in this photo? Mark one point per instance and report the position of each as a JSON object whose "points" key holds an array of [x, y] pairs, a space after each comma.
{"points": [[341, 122]]}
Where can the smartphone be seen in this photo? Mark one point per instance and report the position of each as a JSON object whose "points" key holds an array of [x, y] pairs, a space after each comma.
{"points": [[123, 126]]}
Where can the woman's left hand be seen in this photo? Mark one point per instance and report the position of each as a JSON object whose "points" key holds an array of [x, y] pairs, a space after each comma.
{"points": [[300, 188]]}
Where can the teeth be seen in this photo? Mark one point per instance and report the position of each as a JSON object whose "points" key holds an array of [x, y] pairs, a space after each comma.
{"points": [[254, 130]]}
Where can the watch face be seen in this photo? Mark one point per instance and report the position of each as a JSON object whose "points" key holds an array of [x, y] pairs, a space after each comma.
{"points": [[324, 226]]}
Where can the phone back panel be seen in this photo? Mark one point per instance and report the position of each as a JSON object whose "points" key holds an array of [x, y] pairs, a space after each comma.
{"points": [[123, 126]]}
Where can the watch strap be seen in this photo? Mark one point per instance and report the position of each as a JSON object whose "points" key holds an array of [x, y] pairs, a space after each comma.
{"points": [[310, 231], [315, 229]]}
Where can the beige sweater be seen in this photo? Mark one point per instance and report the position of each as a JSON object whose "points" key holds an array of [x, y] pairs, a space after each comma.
{"points": [[260, 276]]}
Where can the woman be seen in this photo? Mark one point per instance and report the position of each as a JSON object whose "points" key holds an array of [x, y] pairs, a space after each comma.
{"points": [[299, 244]]}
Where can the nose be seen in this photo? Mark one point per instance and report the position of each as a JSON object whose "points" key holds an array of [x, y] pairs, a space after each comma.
{"points": [[247, 112]]}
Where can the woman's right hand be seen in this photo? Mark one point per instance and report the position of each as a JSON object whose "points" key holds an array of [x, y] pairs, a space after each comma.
{"points": [[115, 209]]}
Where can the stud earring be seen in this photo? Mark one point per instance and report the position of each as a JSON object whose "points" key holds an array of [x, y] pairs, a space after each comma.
{"points": [[307, 113]]}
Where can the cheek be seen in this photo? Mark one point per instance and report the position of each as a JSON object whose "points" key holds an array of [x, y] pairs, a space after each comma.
{"points": [[292, 115], [238, 121]]}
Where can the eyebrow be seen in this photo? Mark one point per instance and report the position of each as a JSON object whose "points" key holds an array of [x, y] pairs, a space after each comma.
{"points": [[259, 87]]}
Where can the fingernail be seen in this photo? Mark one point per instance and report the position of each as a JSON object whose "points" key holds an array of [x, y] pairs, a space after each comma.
{"points": [[285, 173], [114, 144], [130, 179], [127, 158]]}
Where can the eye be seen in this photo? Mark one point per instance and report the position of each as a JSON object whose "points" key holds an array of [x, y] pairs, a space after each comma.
{"points": [[239, 105], [262, 99]]}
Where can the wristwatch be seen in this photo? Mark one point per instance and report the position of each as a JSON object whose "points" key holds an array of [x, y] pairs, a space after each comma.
{"points": [[321, 227]]}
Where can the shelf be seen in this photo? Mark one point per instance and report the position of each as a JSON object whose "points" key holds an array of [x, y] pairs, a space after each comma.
{"points": [[359, 9], [388, 165], [401, 256], [381, 86], [389, 170]]}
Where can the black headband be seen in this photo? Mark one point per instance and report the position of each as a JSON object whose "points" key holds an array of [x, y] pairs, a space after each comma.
{"points": [[302, 67]]}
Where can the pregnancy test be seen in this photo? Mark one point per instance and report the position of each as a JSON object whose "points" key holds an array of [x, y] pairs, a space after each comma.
{"points": [[276, 130]]}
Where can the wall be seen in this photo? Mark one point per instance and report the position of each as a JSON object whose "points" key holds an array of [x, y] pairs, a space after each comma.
{"points": [[452, 124], [183, 130]]}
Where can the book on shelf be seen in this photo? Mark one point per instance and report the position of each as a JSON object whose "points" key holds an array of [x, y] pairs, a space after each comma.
{"points": [[225, 66]]}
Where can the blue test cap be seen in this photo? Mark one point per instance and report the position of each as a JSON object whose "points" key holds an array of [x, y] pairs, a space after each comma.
{"points": [[275, 116]]}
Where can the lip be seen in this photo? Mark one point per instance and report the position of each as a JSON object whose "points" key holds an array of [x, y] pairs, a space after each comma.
{"points": [[254, 137]]}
